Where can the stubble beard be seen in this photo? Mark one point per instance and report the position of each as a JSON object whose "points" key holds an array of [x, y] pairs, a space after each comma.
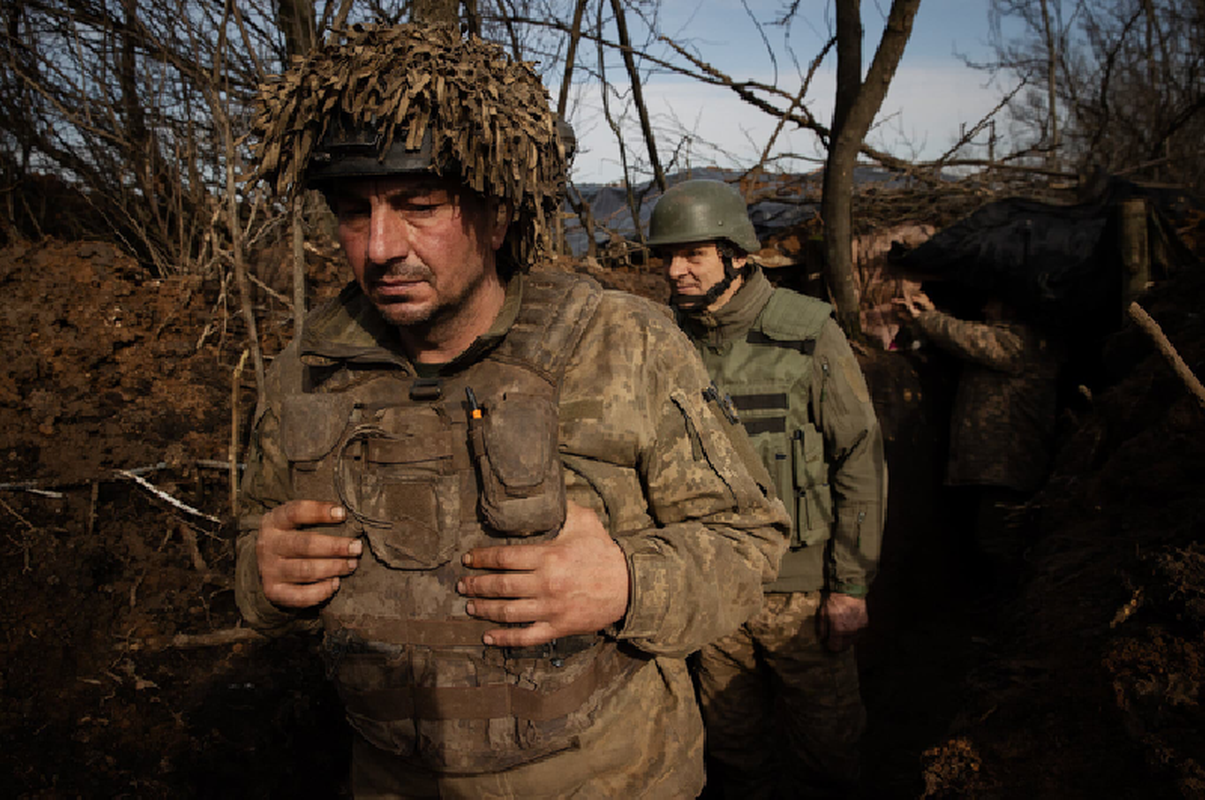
{"points": [[436, 320]]}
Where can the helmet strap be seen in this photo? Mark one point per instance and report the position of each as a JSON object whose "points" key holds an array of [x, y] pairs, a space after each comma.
{"points": [[698, 303]]}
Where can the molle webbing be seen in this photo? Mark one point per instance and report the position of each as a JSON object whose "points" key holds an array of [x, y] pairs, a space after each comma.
{"points": [[447, 633], [550, 322], [805, 346], [761, 402], [425, 632], [778, 401], [495, 701]]}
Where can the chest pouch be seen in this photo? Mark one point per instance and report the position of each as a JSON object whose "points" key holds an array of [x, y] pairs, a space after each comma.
{"points": [[813, 494], [513, 440], [397, 477], [311, 429]]}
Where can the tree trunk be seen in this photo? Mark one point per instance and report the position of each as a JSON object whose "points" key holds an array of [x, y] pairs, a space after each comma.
{"points": [[297, 22], [1052, 63], [849, 61], [575, 36], [435, 12], [836, 203]]}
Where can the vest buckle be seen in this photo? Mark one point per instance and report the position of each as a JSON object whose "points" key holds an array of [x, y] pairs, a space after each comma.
{"points": [[426, 390]]}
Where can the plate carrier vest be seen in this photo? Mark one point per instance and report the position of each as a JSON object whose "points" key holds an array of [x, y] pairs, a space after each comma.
{"points": [[760, 374], [429, 469]]}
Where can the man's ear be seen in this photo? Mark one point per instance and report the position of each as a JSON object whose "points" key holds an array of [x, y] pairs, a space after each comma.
{"points": [[503, 211]]}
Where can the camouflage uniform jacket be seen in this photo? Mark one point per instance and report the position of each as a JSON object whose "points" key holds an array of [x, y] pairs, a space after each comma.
{"points": [[643, 448], [1002, 423], [795, 381]]}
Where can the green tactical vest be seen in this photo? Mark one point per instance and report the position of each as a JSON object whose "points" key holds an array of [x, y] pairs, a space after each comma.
{"points": [[428, 469], [767, 376]]}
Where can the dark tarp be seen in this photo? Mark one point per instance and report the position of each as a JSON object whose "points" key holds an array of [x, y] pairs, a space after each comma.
{"points": [[1059, 265]]}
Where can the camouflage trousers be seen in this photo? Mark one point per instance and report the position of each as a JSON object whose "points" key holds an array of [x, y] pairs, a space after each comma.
{"points": [[783, 715]]}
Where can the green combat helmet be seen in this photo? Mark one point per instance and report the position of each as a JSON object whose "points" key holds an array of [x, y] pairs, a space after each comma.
{"points": [[704, 211], [417, 98]]}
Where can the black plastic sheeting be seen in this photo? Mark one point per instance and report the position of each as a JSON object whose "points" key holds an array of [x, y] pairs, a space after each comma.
{"points": [[1058, 265]]}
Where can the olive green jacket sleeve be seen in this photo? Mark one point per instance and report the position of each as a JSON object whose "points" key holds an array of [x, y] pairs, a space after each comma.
{"points": [[842, 408]]}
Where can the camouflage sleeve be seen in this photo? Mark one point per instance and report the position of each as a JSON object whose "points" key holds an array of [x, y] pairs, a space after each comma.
{"points": [[697, 573], [265, 485], [999, 347], [853, 444]]}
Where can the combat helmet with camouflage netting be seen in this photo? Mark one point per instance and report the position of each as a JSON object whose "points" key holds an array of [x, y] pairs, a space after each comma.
{"points": [[417, 98]]}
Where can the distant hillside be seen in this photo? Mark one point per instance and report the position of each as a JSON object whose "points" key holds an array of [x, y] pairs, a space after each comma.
{"points": [[794, 201]]}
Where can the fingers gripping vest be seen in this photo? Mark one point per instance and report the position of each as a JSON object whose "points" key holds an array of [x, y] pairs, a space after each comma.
{"points": [[761, 374], [429, 469]]}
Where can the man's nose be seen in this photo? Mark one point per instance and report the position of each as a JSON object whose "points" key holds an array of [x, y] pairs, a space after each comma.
{"points": [[675, 266], [388, 235]]}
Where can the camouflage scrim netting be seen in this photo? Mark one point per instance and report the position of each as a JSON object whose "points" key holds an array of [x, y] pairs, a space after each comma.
{"points": [[488, 117]]}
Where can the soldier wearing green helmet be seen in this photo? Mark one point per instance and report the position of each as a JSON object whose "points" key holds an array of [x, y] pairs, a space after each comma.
{"points": [[502, 494], [702, 212], [780, 696]]}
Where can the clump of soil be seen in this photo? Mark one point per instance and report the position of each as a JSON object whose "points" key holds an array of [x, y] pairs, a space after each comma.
{"points": [[107, 369]]}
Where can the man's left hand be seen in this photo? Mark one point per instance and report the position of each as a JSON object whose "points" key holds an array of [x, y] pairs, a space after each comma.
{"points": [[841, 618], [575, 583]]}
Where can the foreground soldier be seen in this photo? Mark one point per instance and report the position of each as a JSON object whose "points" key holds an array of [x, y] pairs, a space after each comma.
{"points": [[503, 496], [780, 696]]}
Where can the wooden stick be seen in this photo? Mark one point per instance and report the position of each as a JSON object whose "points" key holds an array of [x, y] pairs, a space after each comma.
{"points": [[194, 550], [234, 387], [186, 641], [1152, 329], [93, 497]]}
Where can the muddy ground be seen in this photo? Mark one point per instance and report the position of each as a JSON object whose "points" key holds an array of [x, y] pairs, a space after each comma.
{"points": [[123, 672]]}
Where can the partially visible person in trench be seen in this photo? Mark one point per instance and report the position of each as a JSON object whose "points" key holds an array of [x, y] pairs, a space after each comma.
{"points": [[1002, 425]]}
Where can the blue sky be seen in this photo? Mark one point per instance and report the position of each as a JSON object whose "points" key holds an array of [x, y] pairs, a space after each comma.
{"points": [[932, 94]]}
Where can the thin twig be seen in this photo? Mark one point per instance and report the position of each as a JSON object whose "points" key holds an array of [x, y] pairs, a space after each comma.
{"points": [[234, 431], [24, 537], [286, 302], [93, 496], [167, 498], [41, 487], [190, 541]]}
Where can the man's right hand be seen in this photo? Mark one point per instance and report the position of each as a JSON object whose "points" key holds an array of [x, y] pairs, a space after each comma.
{"points": [[298, 567], [914, 301]]}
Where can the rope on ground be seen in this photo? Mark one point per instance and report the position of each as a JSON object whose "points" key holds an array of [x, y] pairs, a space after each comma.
{"points": [[167, 498]]}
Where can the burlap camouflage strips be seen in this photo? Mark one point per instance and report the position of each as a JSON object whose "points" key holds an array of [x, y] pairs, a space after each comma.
{"points": [[1002, 424], [488, 117]]}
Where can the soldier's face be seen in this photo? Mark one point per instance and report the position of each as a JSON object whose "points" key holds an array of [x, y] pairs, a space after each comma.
{"points": [[692, 269], [421, 249]]}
